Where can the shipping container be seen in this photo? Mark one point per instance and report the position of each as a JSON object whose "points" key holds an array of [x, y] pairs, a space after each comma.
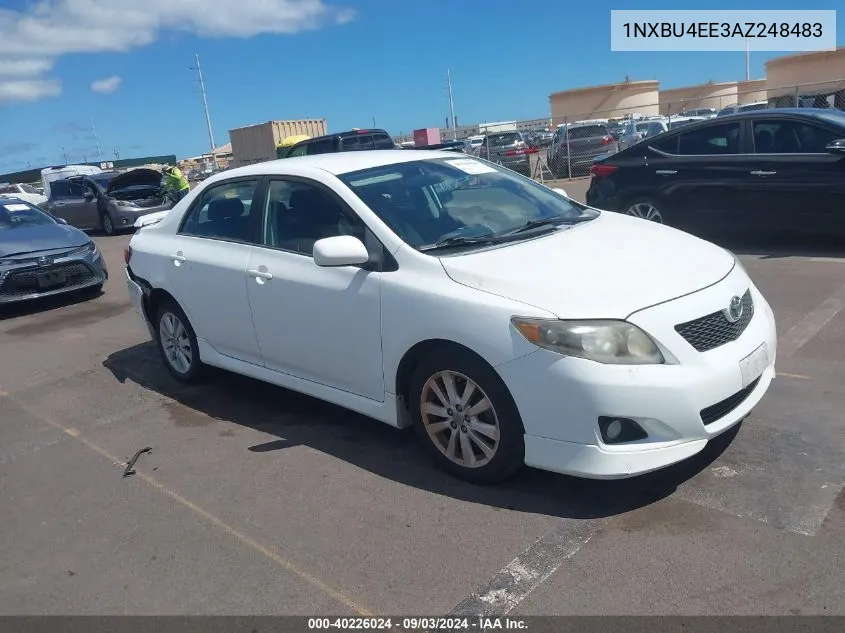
{"points": [[257, 143]]}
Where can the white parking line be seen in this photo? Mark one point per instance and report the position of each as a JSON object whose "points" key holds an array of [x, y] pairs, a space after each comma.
{"points": [[509, 586], [812, 323]]}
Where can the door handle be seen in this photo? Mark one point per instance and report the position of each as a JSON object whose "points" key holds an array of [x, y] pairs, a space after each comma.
{"points": [[260, 274], [666, 172], [178, 258], [763, 173]]}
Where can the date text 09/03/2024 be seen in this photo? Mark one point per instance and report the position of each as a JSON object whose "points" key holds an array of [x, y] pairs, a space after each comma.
{"points": [[478, 623]]}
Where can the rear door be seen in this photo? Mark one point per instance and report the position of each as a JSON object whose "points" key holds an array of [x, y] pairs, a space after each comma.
{"points": [[701, 175], [357, 143], [795, 185], [67, 201]]}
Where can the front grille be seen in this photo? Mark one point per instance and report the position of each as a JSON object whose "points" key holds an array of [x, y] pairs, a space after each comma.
{"points": [[711, 331], [721, 409], [25, 282]]}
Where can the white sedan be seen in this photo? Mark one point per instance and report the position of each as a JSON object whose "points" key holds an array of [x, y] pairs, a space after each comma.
{"points": [[24, 192], [507, 323]]}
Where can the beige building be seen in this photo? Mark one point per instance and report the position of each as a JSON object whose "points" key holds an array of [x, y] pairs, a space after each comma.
{"points": [[605, 102], [807, 79], [257, 143], [711, 95]]}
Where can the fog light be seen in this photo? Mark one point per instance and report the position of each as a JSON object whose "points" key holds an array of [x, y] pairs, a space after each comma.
{"points": [[620, 430]]}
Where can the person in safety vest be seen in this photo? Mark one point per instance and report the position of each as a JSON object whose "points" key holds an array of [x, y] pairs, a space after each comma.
{"points": [[175, 182]]}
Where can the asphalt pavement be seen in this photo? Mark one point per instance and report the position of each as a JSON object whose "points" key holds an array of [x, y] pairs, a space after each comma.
{"points": [[256, 500]]}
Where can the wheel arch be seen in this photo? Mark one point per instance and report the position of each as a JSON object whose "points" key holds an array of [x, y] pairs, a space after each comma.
{"points": [[410, 360]]}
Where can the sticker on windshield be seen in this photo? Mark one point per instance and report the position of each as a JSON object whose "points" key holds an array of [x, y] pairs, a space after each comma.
{"points": [[16, 207], [471, 166]]}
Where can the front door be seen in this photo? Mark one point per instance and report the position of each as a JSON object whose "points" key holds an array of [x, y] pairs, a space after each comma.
{"points": [[796, 187], [320, 324], [208, 259], [67, 201]]}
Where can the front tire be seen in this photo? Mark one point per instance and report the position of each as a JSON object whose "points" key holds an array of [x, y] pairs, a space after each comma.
{"points": [[465, 417], [645, 209], [107, 224], [177, 343]]}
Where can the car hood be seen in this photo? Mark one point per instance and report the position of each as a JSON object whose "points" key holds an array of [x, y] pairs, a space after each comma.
{"points": [[607, 268], [149, 177], [43, 237]]}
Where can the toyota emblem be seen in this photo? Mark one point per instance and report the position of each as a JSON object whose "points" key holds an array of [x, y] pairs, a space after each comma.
{"points": [[44, 261], [734, 311]]}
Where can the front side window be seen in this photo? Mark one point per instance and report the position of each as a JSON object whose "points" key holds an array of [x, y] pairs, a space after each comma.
{"points": [[445, 201], [783, 136], [710, 140], [224, 212], [300, 213], [28, 188], [359, 142]]}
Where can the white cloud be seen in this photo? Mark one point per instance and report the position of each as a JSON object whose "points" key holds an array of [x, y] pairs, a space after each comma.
{"points": [[106, 86], [28, 89], [31, 39]]}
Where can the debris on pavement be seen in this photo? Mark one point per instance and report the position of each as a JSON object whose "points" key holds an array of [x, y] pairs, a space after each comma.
{"points": [[130, 465]]}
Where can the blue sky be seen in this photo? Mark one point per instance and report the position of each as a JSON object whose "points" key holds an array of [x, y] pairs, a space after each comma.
{"points": [[383, 59]]}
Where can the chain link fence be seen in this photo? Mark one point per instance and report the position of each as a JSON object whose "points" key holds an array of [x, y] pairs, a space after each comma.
{"points": [[565, 146]]}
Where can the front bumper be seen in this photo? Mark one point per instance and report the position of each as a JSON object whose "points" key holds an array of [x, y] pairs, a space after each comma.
{"points": [[78, 271], [125, 217], [561, 398]]}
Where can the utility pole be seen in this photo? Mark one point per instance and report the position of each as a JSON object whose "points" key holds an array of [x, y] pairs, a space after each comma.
{"points": [[374, 120], [205, 104], [747, 59], [451, 104], [65, 154], [117, 153], [96, 140]]}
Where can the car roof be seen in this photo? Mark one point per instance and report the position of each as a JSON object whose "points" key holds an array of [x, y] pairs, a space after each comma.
{"points": [[335, 163], [754, 114]]}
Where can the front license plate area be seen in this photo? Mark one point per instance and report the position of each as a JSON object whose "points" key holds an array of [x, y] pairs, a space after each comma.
{"points": [[51, 279], [752, 366]]}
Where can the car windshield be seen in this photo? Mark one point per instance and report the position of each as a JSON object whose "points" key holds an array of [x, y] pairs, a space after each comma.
{"points": [[442, 202], [20, 214]]}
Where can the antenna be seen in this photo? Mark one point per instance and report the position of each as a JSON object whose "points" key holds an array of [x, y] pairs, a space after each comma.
{"points": [[96, 140], [65, 154], [205, 103], [451, 104]]}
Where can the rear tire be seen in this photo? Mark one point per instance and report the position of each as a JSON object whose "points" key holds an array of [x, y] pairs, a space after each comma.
{"points": [[466, 417], [646, 209], [177, 343]]}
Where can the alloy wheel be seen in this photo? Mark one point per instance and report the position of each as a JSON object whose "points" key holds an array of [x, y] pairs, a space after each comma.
{"points": [[176, 343], [645, 211], [459, 419], [108, 225]]}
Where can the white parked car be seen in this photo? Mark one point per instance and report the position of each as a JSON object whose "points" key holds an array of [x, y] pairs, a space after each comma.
{"points": [[24, 192], [510, 325]]}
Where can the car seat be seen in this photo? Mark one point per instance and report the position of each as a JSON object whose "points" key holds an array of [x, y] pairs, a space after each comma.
{"points": [[226, 219]]}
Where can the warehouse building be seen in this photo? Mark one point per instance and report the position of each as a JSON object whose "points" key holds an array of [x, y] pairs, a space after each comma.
{"points": [[258, 143], [711, 95], [605, 102]]}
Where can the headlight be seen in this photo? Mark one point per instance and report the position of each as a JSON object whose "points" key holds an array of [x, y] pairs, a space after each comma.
{"points": [[90, 247], [610, 342]]}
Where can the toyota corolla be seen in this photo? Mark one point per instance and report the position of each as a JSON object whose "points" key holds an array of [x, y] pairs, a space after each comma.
{"points": [[507, 323]]}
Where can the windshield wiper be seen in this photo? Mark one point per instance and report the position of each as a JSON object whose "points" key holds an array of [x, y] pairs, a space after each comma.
{"points": [[459, 240], [538, 222]]}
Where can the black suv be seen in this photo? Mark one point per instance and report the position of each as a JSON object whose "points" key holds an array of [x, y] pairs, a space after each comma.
{"points": [[351, 141]]}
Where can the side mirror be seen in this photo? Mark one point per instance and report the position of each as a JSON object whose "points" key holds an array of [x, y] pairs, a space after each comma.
{"points": [[560, 191], [88, 195], [341, 250], [836, 147]]}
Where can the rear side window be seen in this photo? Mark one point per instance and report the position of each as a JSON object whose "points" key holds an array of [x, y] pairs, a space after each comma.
{"points": [[667, 146], [323, 146], [587, 131], [710, 140], [225, 212], [357, 143], [383, 141]]}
